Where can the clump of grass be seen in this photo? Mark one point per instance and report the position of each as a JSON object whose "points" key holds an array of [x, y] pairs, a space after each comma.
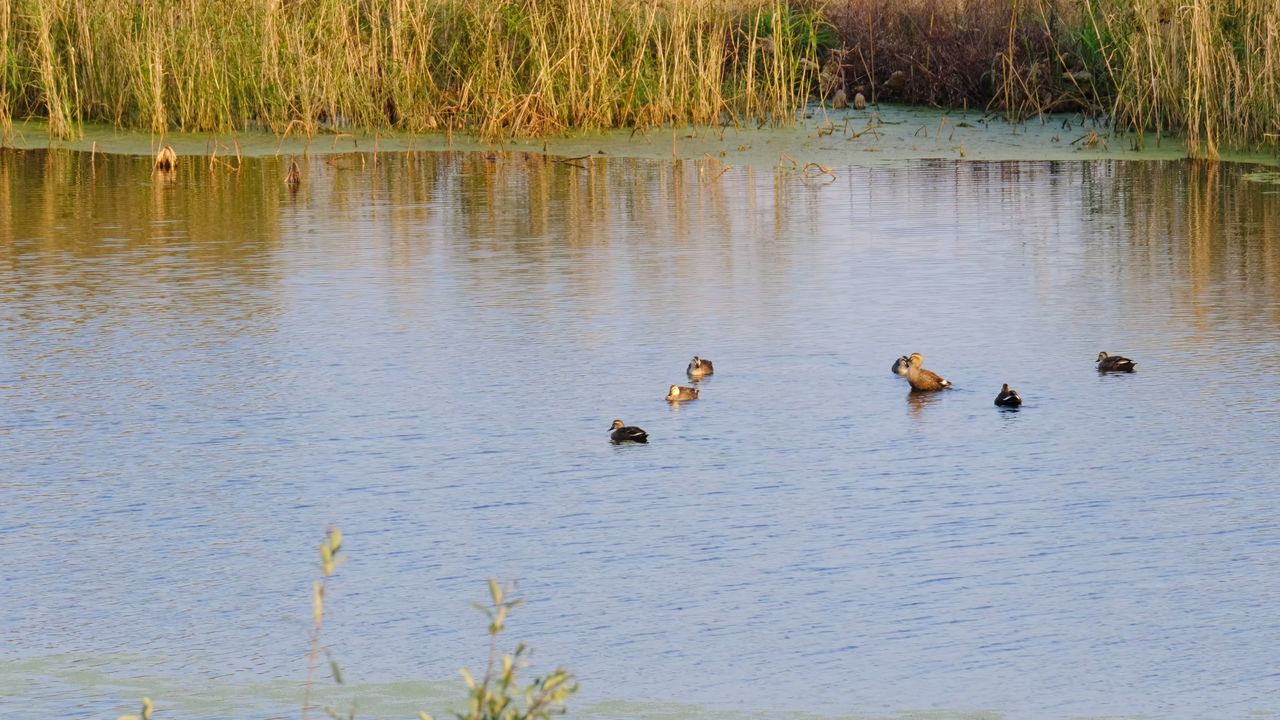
{"points": [[497, 695], [1206, 68], [495, 67]]}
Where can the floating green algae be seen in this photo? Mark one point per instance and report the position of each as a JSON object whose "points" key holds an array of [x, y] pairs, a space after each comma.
{"points": [[1268, 178], [887, 135]]}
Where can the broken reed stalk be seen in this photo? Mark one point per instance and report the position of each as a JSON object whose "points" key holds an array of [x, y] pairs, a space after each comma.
{"points": [[166, 159]]}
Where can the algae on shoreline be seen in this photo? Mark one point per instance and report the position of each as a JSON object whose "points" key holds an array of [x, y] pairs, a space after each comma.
{"points": [[867, 138]]}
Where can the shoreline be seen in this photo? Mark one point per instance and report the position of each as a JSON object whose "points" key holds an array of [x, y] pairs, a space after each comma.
{"points": [[875, 137]]}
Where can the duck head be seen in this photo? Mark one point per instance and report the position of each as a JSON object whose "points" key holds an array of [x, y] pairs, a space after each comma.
{"points": [[900, 365]]}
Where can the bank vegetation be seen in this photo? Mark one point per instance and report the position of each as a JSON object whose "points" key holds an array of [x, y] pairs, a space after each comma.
{"points": [[1206, 69]]}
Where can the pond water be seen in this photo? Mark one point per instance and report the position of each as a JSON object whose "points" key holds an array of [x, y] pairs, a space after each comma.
{"points": [[199, 373]]}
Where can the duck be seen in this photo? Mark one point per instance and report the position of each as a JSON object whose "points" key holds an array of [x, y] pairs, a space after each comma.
{"points": [[897, 82], [923, 380], [624, 433], [698, 367], [680, 392], [900, 366], [1108, 363], [1008, 397]]}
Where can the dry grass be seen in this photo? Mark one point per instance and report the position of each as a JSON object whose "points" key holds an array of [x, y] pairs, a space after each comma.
{"points": [[1018, 57], [1206, 68], [501, 68], [1209, 69], [495, 67]]}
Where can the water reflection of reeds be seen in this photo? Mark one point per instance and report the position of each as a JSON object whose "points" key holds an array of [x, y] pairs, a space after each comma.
{"points": [[1203, 224], [90, 206], [1197, 226]]}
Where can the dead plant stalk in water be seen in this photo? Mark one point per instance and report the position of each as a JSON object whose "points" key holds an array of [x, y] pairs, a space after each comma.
{"points": [[329, 561]]}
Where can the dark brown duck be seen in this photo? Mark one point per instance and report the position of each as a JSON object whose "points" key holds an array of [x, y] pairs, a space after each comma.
{"points": [[1114, 363], [626, 433], [1008, 397], [699, 367]]}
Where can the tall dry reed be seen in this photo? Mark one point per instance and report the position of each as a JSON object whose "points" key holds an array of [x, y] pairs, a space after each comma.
{"points": [[6, 68], [494, 67], [1206, 68]]}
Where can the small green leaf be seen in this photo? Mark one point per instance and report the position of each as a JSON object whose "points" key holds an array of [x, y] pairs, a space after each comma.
{"points": [[333, 668]]}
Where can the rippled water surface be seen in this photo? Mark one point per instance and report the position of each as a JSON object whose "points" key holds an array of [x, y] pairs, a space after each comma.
{"points": [[198, 374]]}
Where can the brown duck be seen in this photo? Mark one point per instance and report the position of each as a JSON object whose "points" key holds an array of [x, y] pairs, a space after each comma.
{"points": [[1114, 363], [1008, 397], [626, 433], [923, 380], [680, 392], [699, 367]]}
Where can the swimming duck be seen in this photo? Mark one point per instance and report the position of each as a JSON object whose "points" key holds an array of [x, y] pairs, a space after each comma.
{"points": [[680, 392], [1107, 363], [623, 433], [699, 368], [923, 380], [900, 366], [1008, 397]]}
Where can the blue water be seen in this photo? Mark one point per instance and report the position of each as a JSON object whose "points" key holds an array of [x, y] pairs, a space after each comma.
{"points": [[198, 375]]}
